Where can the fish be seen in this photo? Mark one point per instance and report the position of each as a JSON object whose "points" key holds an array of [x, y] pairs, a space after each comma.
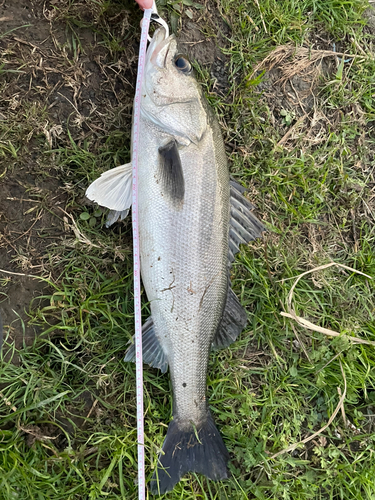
{"points": [[192, 220]]}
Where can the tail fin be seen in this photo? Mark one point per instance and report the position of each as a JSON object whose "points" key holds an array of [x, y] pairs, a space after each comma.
{"points": [[190, 449]]}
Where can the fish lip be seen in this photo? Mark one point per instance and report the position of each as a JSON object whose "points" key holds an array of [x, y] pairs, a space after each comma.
{"points": [[157, 45], [165, 58]]}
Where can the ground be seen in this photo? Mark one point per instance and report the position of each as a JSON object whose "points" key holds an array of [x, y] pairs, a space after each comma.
{"points": [[292, 85]]}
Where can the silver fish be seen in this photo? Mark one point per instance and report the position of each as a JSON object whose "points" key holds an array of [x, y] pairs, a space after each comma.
{"points": [[192, 219]]}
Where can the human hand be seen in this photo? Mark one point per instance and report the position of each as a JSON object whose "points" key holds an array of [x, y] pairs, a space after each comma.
{"points": [[145, 4]]}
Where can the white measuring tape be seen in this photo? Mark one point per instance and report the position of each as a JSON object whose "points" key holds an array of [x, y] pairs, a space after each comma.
{"points": [[136, 258], [136, 252]]}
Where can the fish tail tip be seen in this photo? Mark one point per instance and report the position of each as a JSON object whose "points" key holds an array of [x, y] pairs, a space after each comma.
{"points": [[190, 448]]}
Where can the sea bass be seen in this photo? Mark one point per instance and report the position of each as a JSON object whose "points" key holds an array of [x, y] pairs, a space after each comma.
{"points": [[192, 219]]}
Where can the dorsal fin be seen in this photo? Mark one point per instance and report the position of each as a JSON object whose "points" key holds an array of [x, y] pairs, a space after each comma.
{"points": [[232, 323], [244, 226]]}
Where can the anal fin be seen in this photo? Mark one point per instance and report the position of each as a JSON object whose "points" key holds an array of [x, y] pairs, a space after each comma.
{"points": [[152, 351], [232, 323]]}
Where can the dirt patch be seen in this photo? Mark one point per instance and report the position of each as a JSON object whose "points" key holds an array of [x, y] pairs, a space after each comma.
{"points": [[64, 68], [59, 86], [206, 51], [202, 34], [291, 81], [29, 222], [292, 78]]}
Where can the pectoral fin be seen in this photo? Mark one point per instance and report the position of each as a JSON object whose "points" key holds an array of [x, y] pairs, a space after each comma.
{"points": [[170, 174], [113, 189]]}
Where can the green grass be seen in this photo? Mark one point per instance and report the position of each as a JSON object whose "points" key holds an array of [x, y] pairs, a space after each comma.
{"points": [[265, 392]]}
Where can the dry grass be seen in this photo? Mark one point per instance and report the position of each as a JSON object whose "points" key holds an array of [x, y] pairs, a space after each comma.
{"points": [[301, 61]]}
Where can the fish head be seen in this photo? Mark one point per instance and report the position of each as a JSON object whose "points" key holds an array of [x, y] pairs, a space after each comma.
{"points": [[171, 97]]}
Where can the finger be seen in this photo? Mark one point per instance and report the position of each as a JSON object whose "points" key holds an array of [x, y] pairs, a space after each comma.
{"points": [[145, 4]]}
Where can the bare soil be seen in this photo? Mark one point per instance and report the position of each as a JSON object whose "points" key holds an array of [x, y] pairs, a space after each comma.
{"points": [[61, 86]]}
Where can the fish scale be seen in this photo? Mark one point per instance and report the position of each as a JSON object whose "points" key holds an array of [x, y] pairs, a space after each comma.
{"points": [[185, 240]]}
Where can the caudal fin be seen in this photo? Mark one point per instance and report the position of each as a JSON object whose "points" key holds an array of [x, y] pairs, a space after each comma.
{"points": [[190, 449]]}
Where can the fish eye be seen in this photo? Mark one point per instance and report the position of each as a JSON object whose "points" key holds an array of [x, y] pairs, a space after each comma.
{"points": [[182, 63]]}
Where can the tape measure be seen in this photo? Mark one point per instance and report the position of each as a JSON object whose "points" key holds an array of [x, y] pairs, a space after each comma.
{"points": [[136, 258], [148, 15]]}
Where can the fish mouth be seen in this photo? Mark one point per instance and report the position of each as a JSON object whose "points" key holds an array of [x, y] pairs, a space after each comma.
{"points": [[158, 49]]}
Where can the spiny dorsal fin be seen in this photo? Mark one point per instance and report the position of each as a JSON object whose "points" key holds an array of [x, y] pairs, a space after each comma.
{"points": [[170, 173], [244, 226], [232, 323], [153, 353]]}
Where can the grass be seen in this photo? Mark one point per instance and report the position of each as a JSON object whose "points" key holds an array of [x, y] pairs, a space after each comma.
{"points": [[67, 403]]}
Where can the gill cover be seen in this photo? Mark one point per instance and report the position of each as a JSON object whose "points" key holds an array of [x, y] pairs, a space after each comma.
{"points": [[171, 97]]}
